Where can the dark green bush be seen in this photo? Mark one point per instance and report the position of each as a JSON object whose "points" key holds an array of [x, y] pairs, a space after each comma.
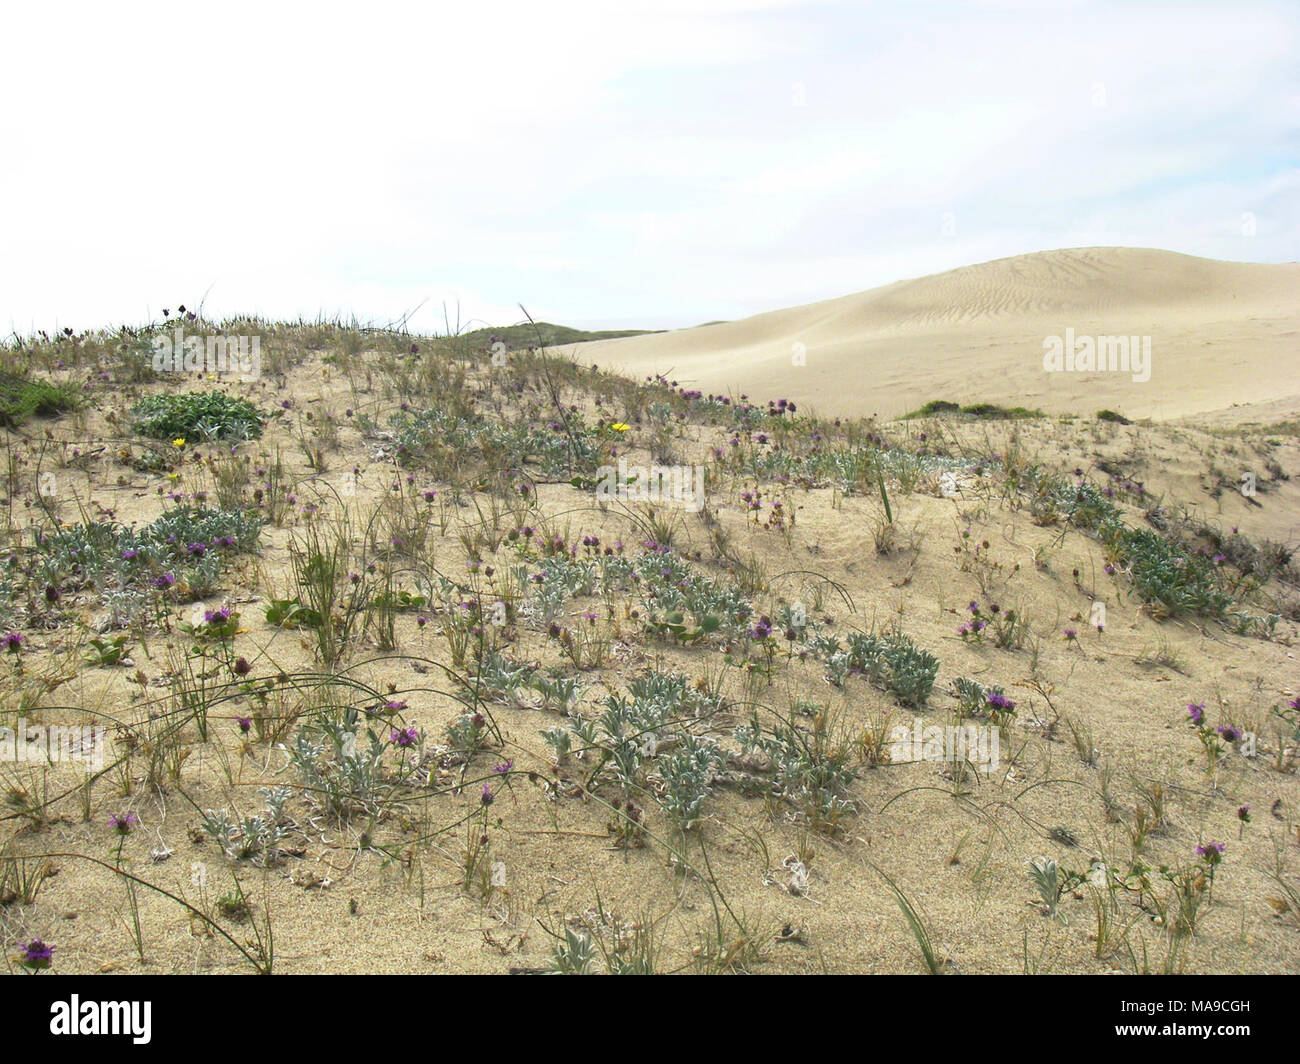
{"points": [[25, 397], [196, 417]]}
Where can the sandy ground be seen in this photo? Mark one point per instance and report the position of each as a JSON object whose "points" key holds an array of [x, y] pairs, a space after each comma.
{"points": [[390, 894], [1223, 335]]}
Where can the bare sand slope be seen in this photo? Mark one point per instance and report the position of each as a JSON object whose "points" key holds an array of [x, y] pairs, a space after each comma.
{"points": [[1225, 340]]}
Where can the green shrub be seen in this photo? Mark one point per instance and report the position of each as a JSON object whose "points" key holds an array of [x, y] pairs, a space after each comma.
{"points": [[1170, 574], [993, 412], [25, 397], [937, 406], [980, 411], [896, 664], [196, 416], [1111, 415]]}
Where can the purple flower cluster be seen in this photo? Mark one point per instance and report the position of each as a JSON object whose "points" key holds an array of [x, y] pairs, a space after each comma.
{"points": [[122, 823], [1000, 703], [37, 954]]}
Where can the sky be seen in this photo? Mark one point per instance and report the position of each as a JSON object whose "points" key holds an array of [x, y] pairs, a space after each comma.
{"points": [[618, 165]]}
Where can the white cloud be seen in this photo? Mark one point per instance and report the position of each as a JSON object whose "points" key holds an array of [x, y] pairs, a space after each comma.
{"points": [[651, 161]]}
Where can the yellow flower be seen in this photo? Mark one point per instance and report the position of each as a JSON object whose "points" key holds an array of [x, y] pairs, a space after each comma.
{"points": [[618, 426], [178, 443]]}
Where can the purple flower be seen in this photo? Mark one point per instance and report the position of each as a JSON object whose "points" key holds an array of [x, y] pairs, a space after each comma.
{"points": [[487, 795], [1196, 712], [1243, 814], [13, 642], [1229, 732], [1212, 852], [404, 737], [122, 823], [245, 723], [36, 954], [503, 767]]}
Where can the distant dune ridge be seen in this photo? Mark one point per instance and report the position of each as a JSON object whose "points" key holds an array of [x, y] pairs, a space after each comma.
{"points": [[1224, 340]]}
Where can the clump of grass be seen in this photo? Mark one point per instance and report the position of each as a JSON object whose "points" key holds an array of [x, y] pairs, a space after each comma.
{"points": [[26, 397], [935, 407], [449, 439], [979, 411], [1111, 415], [21, 877], [918, 925], [196, 416], [814, 767]]}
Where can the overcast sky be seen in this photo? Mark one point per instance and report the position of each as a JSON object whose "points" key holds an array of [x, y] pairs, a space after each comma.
{"points": [[617, 164]]}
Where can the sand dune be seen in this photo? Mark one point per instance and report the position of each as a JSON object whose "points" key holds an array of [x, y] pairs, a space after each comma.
{"points": [[1224, 340]]}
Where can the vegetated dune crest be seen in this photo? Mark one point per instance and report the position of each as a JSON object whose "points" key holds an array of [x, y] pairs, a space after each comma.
{"points": [[1223, 336]]}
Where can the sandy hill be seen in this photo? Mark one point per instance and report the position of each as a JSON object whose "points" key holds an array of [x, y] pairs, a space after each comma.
{"points": [[674, 746], [1223, 338]]}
